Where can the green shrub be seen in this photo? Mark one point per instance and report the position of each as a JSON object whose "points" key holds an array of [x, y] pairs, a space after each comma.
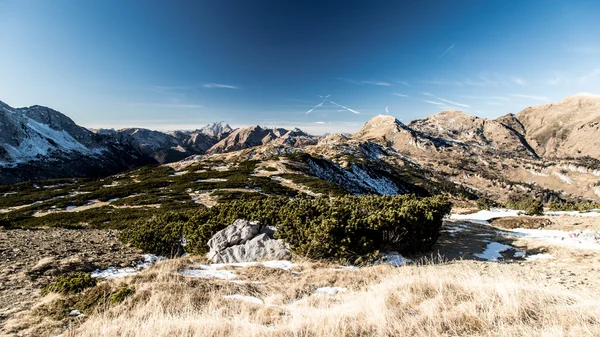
{"points": [[121, 294], [530, 206], [485, 204], [350, 226], [161, 235], [69, 284]]}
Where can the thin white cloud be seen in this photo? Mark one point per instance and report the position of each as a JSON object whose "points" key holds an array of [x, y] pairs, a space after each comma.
{"points": [[432, 102], [554, 81], [590, 76], [446, 51], [387, 109], [405, 83], [399, 95], [372, 82], [532, 97], [219, 86], [453, 103], [499, 98], [349, 80], [319, 122], [447, 100], [518, 80], [168, 105], [345, 108], [380, 83], [316, 106]]}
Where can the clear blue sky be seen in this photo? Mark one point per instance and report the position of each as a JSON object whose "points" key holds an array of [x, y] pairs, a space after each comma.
{"points": [[181, 64]]}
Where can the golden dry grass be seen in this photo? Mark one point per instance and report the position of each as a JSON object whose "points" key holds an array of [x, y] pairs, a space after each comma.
{"points": [[458, 299]]}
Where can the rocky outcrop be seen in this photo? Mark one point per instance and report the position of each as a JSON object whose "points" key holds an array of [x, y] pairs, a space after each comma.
{"points": [[245, 241]]}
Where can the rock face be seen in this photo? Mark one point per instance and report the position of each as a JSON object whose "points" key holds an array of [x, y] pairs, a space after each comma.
{"points": [[245, 241]]}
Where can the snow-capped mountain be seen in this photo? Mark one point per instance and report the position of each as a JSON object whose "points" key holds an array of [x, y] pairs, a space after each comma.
{"points": [[41, 143]]}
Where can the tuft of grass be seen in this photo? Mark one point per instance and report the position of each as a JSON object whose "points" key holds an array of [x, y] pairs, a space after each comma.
{"points": [[69, 284]]}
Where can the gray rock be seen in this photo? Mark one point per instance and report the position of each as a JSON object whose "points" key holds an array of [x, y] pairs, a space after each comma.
{"points": [[259, 248], [238, 233]]}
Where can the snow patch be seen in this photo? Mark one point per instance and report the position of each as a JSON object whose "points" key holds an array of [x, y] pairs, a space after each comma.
{"points": [[586, 239], [330, 290], [537, 257], [113, 272], [483, 216], [492, 251], [249, 299]]}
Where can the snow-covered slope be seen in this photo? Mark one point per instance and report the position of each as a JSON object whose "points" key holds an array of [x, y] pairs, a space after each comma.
{"points": [[29, 134]]}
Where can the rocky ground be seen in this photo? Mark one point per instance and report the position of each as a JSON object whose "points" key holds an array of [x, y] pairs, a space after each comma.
{"points": [[29, 259]]}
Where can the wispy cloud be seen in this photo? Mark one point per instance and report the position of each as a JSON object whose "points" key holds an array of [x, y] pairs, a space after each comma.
{"points": [[370, 82], [387, 109], [532, 97], [219, 86], [518, 80], [554, 81], [446, 51], [432, 102], [319, 122], [500, 98], [345, 108], [399, 95], [316, 106], [380, 83], [404, 83], [594, 73], [447, 100], [168, 105]]}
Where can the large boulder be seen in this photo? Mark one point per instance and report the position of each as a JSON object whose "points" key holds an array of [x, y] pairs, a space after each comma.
{"points": [[245, 241], [239, 233]]}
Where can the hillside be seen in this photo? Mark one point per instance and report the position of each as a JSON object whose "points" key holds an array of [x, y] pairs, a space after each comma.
{"points": [[568, 128]]}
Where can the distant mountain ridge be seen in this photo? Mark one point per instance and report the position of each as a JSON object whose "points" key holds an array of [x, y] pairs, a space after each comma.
{"points": [[530, 148]]}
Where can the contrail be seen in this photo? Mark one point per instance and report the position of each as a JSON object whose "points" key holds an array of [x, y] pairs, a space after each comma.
{"points": [[316, 106], [445, 52], [343, 107]]}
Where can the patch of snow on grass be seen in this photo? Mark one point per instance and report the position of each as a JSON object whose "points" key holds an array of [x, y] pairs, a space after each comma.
{"points": [[215, 270], [209, 273], [483, 216], [330, 290], [249, 299], [586, 239], [493, 250], [113, 272], [563, 177], [539, 257]]}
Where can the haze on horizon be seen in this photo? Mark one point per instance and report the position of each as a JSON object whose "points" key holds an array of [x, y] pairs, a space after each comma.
{"points": [[164, 65]]}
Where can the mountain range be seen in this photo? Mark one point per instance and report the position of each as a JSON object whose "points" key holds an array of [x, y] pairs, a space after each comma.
{"points": [[548, 150]]}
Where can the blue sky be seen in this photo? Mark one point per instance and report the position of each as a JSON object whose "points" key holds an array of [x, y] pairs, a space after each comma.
{"points": [[180, 64]]}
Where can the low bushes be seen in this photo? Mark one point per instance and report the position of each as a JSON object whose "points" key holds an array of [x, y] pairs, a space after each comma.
{"points": [[351, 226], [161, 234], [321, 228], [530, 206]]}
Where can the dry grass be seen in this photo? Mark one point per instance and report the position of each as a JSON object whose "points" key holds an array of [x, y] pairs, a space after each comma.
{"points": [[430, 300]]}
